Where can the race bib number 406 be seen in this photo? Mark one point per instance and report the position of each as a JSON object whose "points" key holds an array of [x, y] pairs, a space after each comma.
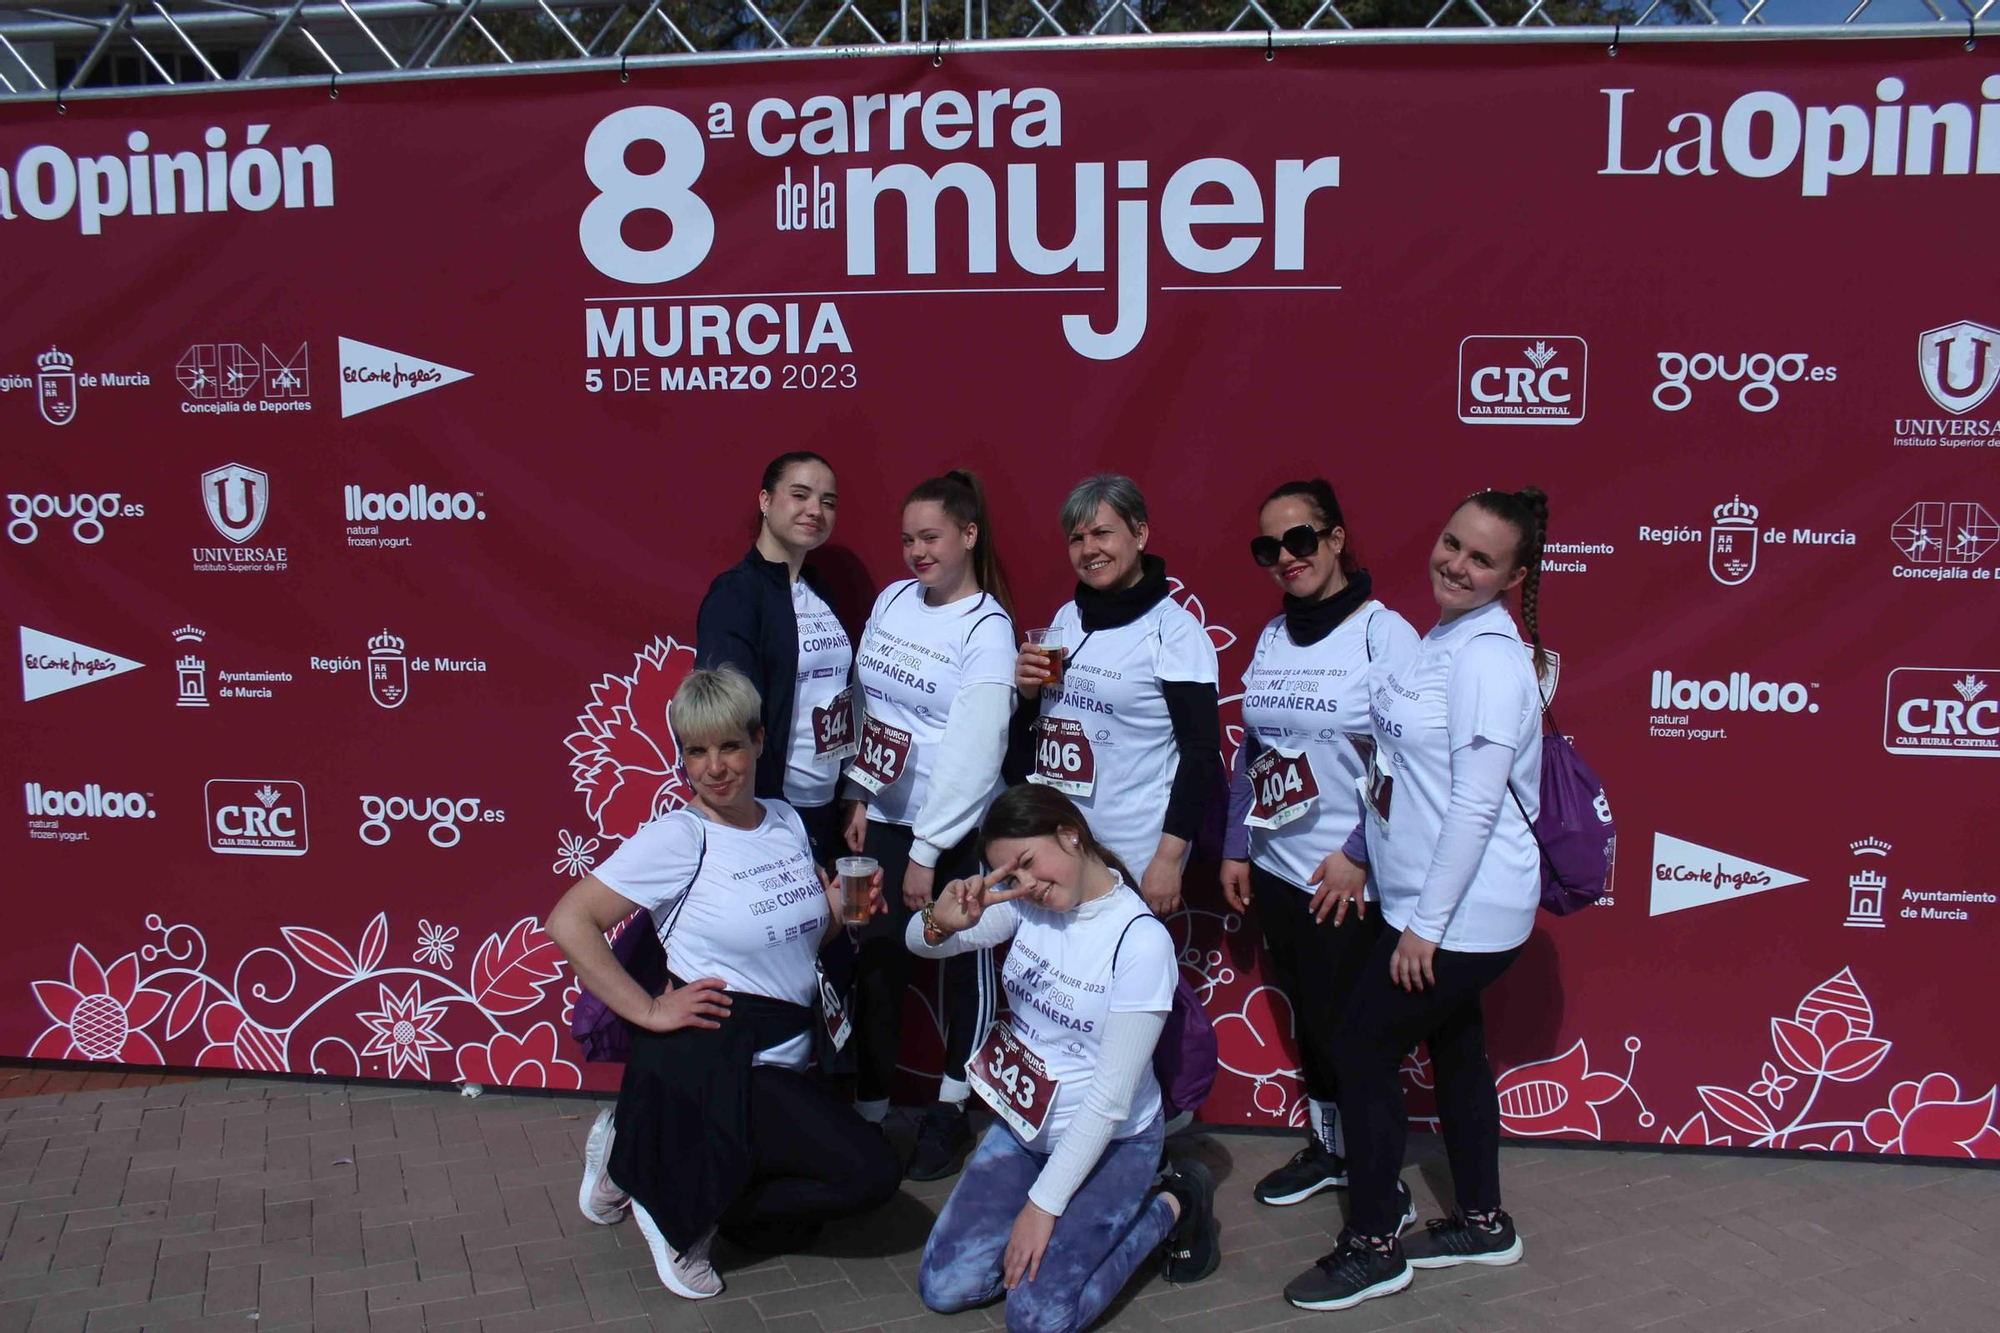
{"points": [[885, 752], [1063, 757], [1282, 789], [1012, 1080]]}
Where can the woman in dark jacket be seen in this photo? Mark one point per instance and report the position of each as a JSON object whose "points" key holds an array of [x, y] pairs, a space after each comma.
{"points": [[771, 618]]}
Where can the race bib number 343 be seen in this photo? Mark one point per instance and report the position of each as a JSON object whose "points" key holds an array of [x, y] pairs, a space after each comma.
{"points": [[885, 752], [1012, 1080]]}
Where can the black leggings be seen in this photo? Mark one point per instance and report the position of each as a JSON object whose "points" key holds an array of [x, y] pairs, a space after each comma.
{"points": [[1316, 965], [883, 971], [812, 1159], [1383, 1023]]}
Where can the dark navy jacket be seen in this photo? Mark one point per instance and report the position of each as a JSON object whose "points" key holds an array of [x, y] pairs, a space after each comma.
{"points": [[747, 621]]}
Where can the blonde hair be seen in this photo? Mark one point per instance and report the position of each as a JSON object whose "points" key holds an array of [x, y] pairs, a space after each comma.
{"points": [[713, 704]]}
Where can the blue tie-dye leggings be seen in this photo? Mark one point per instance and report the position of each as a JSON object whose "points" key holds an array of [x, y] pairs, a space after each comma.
{"points": [[1108, 1230]]}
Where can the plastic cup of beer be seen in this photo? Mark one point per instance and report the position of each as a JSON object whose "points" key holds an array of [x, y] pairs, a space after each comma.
{"points": [[1048, 642], [857, 877]]}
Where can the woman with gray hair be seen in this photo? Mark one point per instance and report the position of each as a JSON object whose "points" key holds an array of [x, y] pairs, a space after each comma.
{"points": [[717, 1123], [1125, 679]]}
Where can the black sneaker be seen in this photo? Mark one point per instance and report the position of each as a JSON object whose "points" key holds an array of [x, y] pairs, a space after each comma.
{"points": [[1409, 1203], [1312, 1169], [1450, 1241], [1193, 1249], [1356, 1271], [944, 1137]]}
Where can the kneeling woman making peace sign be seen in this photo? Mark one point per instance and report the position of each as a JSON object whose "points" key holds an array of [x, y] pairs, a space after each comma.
{"points": [[1058, 1206]]}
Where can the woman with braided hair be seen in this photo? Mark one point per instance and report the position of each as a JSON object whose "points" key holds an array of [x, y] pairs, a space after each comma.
{"points": [[1454, 859]]}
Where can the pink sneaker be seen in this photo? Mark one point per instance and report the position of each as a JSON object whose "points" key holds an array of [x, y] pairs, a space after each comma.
{"points": [[601, 1200], [689, 1275]]}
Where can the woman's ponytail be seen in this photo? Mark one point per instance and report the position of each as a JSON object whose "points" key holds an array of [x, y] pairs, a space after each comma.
{"points": [[1528, 511], [962, 497]]}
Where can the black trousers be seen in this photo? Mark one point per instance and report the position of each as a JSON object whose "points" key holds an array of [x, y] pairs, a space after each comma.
{"points": [[1383, 1023], [1316, 965], [823, 832], [885, 966], [812, 1159]]}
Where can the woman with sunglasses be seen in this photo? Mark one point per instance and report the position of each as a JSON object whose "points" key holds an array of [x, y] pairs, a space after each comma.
{"points": [[1453, 791], [1131, 731], [1294, 798]]}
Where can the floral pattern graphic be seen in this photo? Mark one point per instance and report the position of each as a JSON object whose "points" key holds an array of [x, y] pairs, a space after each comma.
{"points": [[98, 1014], [530, 1061], [575, 855], [1930, 1120], [622, 756], [405, 1031], [434, 944]]}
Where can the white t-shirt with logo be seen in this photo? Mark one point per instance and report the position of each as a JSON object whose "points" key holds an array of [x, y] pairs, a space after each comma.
{"points": [[1061, 987], [1469, 680], [1313, 699], [1112, 686], [754, 908], [913, 660], [825, 656]]}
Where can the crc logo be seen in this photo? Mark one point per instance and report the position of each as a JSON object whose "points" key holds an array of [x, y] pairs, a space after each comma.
{"points": [[1960, 364], [237, 499], [1522, 381], [1759, 373], [667, 189], [1942, 710], [442, 813], [256, 817], [85, 515]]}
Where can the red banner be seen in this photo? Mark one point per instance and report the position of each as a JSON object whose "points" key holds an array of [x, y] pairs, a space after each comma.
{"points": [[366, 459]]}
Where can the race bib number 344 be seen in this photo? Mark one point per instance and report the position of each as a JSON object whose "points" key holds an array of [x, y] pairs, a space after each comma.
{"points": [[1012, 1080], [833, 727]]}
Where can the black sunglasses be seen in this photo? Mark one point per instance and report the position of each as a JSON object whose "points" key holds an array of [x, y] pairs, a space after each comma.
{"points": [[1302, 541]]}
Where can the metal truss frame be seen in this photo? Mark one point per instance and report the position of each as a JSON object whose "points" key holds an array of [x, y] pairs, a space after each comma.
{"points": [[389, 40]]}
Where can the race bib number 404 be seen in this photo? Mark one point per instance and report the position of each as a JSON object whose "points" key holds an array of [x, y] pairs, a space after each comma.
{"points": [[1282, 789], [1063, 757], [1012, 1080], [885, 752]]}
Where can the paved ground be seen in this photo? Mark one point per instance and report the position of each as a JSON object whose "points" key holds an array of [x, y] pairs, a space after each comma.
{"points": [[254, 1205]]}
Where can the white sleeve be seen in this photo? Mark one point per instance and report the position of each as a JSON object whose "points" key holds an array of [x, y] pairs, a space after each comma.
{"points": [[1122, 1060], [1491, 694], [1186, 652], [967, 764], [1479, 775], [1391, 641], [997, 925], [990, 649], [656, 865]]}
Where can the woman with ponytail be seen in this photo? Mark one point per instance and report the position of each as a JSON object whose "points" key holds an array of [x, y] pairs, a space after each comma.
{"points": [[1064, 1200], [1453, 857], [936, 665]]}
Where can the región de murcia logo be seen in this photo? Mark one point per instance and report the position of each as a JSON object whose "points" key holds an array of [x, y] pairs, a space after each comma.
{"points": [[1734, 539], [56, 384], [388, 668]]}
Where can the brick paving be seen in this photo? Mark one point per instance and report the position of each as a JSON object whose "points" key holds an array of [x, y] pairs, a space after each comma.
{"points": [[259, 1205]]}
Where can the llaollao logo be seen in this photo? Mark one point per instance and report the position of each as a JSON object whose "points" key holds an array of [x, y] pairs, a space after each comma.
{"points": [[623, 758]]}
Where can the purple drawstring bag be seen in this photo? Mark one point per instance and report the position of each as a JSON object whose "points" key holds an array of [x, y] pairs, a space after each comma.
{"points": [[636, 945], [1575, 832], [1184, 1061]]}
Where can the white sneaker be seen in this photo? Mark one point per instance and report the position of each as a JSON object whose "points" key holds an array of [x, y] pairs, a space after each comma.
{"points": [[600, 1199], [688, 1275]]}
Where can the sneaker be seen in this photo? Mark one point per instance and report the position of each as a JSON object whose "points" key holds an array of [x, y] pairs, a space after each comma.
{"points": [[943, 1139], [1356, 1271], [601, 1200], [689, 1275], [1311, 1170], [1409, 1202], [1193, 1249], [1450, 1241]]}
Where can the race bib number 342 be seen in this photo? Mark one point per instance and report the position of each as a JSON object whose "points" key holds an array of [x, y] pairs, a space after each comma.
{"points": [[885, 752]]}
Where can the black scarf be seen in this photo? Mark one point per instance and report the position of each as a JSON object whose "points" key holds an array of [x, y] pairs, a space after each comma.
{"points": [[1309, 622], [1121, 606]]}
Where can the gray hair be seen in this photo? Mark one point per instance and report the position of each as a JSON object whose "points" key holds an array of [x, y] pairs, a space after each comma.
{"points": [[1109, 488], [714, 704]]}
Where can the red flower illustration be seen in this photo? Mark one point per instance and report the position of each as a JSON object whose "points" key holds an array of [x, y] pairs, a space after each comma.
{"points": [[1557, 1096], [1259, 1041], [405, 1031], [529, 1061], [234, 1042], [1927, 1119], [1695, 1131], [97, 1013], [622, 756]]}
